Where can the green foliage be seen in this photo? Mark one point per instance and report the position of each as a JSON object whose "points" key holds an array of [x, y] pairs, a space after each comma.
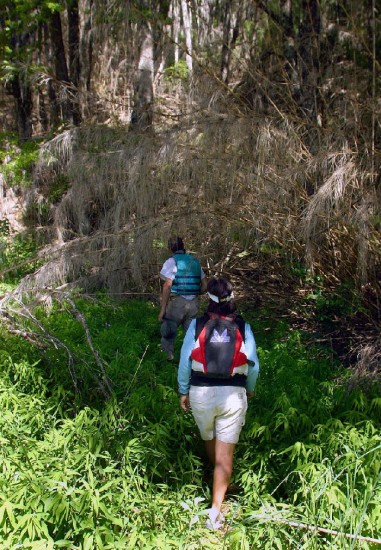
{"points": [[343, 301], [58, 188], [18, 255], [79, 471], [330, 302], [4, 228], [20, 158], [176, 72]]}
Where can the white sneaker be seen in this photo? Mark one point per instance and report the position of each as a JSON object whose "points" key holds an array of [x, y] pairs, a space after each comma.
{"points": [[216, 519]]}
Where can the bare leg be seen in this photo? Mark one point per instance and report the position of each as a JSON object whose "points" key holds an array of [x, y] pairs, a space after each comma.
{"points": [[223, 469]]}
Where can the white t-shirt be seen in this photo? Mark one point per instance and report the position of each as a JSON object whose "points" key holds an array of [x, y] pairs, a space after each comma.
{"points": [[168, 271]]}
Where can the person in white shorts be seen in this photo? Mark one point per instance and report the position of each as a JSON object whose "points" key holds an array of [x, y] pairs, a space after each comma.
{"points": [[217, 372], [184, 280]]}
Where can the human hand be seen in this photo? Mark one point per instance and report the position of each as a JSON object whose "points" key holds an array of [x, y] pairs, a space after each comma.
{"points": [[184, 402], [161, 315], [250, 394]]}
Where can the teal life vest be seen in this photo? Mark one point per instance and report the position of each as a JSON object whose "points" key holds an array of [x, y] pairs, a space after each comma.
{"points": [[187, 280]]}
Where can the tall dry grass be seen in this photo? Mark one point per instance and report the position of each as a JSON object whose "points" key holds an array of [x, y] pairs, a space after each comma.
{"points": [[235, 181]]}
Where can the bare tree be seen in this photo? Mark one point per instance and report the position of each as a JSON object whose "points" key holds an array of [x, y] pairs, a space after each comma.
{"points": [[73, 53], [142, 114], [175, 14], [230, 32], [187, 22], [22, 93], [203, 21], [17, 79], [86, 54], [61, 70]]}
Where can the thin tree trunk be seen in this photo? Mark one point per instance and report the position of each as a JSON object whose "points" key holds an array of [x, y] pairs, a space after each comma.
{"points": [[231, 28], [308, 50], [187, 22], [41, 100], [225, 53], [86, 56], [54, 111], [73, 50], [24, 107], [61, 71], [142, 114], [176, 28], [19, 87], [204, 22]]}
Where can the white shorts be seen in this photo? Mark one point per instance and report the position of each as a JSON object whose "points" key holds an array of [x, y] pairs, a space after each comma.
{"points": [[219, 411]]}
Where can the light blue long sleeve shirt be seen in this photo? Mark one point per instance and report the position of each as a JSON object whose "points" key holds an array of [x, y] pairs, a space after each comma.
{"points": [[185, 364]]}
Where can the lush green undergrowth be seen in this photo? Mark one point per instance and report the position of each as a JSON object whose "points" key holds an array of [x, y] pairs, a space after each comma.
{"points": [[80, 471]]}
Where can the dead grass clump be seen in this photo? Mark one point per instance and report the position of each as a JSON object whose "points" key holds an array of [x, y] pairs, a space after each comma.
{"points": [[367, 370], [225, 183], [210, 183]]}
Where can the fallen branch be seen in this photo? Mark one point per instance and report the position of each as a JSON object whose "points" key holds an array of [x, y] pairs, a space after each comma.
{"points": [[305, 526], [103, 381]]}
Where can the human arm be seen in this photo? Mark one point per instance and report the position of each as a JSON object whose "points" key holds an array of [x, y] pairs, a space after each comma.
{"points": [[203, 285], [203, 281], [167, 274], [165, 294], [252, 356], [185, 367]]}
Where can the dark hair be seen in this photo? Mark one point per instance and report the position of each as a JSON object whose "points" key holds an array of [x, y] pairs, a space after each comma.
{"points": [[176, 244], [222, 288]]}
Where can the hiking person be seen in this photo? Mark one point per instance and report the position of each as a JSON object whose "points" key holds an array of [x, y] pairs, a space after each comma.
{"points": [[184, 280], [218, 370]]}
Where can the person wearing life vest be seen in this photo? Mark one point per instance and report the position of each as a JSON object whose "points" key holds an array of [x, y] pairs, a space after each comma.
{"points": [[184, 280], [217, 372]]}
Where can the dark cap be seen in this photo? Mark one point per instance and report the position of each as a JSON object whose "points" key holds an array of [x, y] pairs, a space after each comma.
{"points": [[175, 244]]}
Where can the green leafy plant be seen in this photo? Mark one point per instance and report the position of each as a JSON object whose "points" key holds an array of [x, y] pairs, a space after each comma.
{"points": [[19, 256], [129, 471], [176, 72], [20, 158], [4, 228]]}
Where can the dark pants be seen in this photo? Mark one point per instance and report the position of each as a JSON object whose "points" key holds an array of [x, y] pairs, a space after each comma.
{"points": [[181, 311]]}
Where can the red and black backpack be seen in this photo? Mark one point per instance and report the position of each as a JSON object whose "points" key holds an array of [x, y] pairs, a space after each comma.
{"points": [[219, 351]]}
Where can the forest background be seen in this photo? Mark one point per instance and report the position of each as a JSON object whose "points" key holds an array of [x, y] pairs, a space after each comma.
{"points": [[252, 129]]}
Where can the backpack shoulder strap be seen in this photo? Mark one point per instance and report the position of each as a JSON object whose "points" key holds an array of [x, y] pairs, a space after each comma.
{"points": [[200, 323], [240, 322]]}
